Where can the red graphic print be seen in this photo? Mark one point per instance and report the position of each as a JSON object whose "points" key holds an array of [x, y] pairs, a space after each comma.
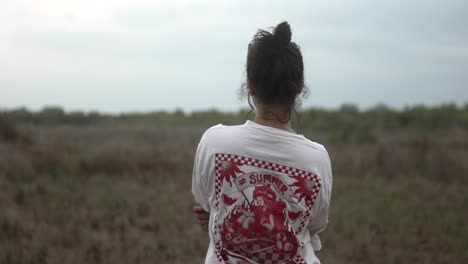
{"points": [[229, 170], [228, 200], [294, 215], [262, 211], [305, 187]]}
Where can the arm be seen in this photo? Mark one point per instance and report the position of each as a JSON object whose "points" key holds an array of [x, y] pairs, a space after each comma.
{"points": [[199, 190], [320, 209], [199, 176], [318, 224]]}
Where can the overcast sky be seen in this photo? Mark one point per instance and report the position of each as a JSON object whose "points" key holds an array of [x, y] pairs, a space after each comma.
{"points": [[135, 55]]}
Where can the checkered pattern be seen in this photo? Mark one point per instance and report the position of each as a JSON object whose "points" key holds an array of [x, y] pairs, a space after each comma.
{"points": [[265, 165], [267, 256], [218, 186], [218, 249], [310, 203], [299, 260]]}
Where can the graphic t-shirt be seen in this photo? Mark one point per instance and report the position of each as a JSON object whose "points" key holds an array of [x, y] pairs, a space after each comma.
{"points": [[267, 192]]}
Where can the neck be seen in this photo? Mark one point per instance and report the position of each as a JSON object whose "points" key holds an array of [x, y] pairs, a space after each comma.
{"points": [[272, 117]]}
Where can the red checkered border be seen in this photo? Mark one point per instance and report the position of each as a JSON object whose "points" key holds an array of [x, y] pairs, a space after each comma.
{"points": [[294, 172]]}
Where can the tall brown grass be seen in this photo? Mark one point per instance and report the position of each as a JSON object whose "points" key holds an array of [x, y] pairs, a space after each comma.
{"points": [[122, 195]]}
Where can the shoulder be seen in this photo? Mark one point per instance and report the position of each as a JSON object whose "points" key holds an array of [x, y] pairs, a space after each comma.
{"points": [[218, 132], [214, 129], [324, 167], [320, 160], [320, 148], [317, 149]]}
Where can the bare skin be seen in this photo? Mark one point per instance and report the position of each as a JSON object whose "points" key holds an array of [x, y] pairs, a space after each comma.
{"points": [[268, 114], [202, 217], [264, 115]]}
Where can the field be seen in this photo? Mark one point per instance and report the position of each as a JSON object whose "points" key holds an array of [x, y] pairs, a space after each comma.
{"points": [[121, 194]]}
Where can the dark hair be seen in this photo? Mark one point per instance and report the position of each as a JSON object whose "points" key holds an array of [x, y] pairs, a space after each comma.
{"points": [[274, 68]]}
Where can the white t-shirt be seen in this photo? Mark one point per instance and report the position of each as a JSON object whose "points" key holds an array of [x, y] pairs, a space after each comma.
{"points": [[267, 191]]}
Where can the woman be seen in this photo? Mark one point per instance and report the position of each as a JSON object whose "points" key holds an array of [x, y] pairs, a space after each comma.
{"points": [[263, 190]]}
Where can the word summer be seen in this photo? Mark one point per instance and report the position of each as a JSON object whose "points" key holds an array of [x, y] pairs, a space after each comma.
{"points": [[253, 178]]}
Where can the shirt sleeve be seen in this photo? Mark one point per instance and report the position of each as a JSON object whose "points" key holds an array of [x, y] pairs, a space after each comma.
{"points": [[320, 209], [199, 189], [317, 225]]}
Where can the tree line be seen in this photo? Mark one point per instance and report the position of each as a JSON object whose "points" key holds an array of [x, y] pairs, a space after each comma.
{"points": [[344, 121]]}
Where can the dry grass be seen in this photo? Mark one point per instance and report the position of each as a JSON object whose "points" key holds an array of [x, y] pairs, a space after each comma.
{"points": [[122, 195]]}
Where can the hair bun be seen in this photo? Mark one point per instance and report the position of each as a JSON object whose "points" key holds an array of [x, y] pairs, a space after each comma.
{"points": [[282, 33]]}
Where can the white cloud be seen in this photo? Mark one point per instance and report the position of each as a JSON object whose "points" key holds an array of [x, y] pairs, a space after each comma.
{"points": [[159, 43]]}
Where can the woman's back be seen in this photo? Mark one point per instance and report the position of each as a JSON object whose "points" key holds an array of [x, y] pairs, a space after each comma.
{"points": [[267, 191]]}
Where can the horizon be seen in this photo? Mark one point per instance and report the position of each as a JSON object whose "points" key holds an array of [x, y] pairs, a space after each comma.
{"points": [[180, 110]]}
